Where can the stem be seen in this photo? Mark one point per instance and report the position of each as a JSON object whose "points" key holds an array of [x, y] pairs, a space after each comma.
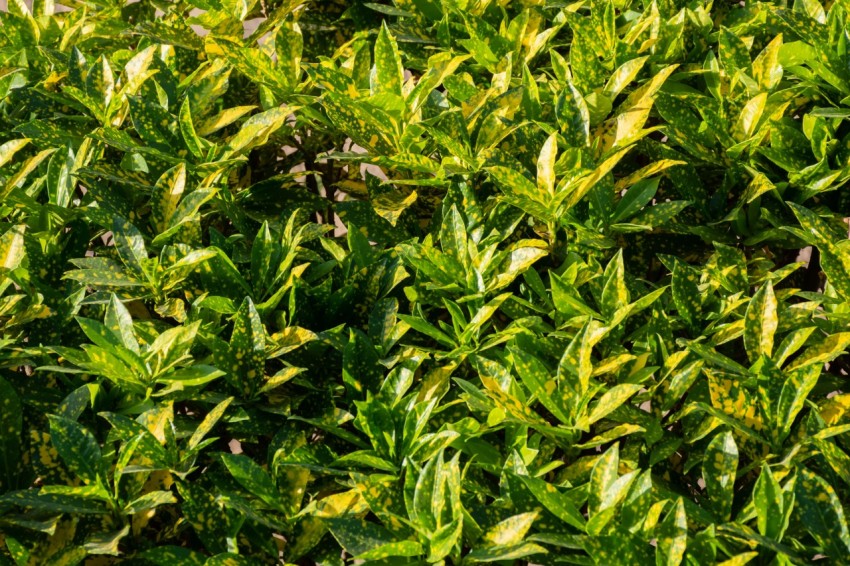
{"points": [[552, 229], [330, 194], [310, 165]]}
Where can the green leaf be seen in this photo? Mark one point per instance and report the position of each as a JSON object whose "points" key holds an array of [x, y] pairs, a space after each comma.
{"points": [[205, 514], [358, 536], [766, 68], [792, 397], [149, 501], [827, 349], [719, 470], [191, 376], [77, 447], [750, 116], [620, 549], [536, 378], [252, 62], [733, 52], [255, 131], [151, 121], [511, 531], [12, 249], [673, 536], [130, 245], [555, 502], [499, 553], [424, 327], [610, 402], [822, 514], [623, 76], [615, 294], [406, 548], [119, 321], [520, 192], [222, 119], [107, 277], [514, 263], [546, 166], [769, 503], [573, 116], [365, 125], [248, 347], [835, 258], [253, 478], [210, 420], [453, 236], [387, 74], [761, 322], [732, 267], [360, 369], [567, 299], [187, 130], [60, 181], [603, 476], [289, 46], [140, 439], [686, 292], [100, 84], [637, 197], [185, 213], [10, 148], [53, 502]]}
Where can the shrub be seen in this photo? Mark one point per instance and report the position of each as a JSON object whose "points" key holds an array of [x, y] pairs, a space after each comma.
{"points": [[426, 281]]}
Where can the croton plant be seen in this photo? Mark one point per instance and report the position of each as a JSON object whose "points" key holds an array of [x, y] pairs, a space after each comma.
{"points": [[424, 281]]}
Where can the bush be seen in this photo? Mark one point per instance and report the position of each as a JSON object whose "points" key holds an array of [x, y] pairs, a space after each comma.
{"points": [[433, 281]]}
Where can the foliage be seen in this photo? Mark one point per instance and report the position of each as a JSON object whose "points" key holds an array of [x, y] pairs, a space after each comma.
{"points": [[423, 281]]}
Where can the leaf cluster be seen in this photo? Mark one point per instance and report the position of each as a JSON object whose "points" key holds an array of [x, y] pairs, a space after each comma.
{"points": [[424, 282]]}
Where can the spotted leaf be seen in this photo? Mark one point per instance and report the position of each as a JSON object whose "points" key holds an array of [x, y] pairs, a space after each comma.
{"points": [[822, 513], [78, 448]]}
